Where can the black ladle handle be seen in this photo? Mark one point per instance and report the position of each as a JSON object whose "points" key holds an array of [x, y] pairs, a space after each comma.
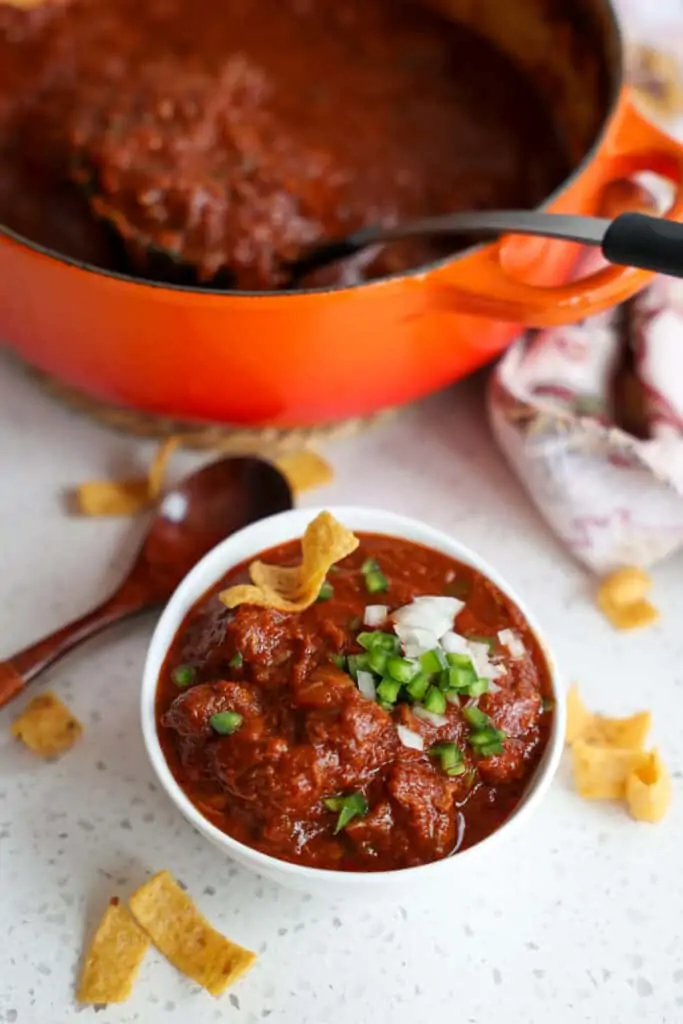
{"points": [[651, 243], [632, 239]]}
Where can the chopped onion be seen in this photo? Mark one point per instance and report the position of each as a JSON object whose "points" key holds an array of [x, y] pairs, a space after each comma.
{"points": [[375, 614], [513, 642], [460, 826], [435, 614], [409, 738], [448, 605], [453, 698], [483, 665], [366, 684], [453, 643], [429, 716], [416, 641]]}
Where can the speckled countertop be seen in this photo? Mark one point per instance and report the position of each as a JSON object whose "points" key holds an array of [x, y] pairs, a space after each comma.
{"points": [[580, 920]]}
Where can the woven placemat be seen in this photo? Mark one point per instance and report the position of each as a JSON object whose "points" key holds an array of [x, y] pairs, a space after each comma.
{"points": [[240, 440]]}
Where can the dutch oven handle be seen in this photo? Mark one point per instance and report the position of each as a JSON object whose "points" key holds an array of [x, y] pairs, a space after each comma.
{"points": [[633, 145]]}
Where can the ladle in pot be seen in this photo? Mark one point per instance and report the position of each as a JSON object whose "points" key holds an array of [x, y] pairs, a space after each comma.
{"points": [[632, 239]]}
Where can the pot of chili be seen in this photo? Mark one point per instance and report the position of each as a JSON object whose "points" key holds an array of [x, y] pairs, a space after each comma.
{"points": [[335, 750], [157, 165]]}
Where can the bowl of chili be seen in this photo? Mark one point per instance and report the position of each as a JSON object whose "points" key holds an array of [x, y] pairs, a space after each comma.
{"points": [[392, 733]]}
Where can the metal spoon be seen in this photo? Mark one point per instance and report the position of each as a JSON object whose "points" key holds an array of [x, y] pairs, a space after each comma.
{"points": [[632, 239], [192, 518]]}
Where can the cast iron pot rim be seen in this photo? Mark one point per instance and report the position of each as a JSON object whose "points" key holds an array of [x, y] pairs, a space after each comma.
{"points": [[416, 272]]}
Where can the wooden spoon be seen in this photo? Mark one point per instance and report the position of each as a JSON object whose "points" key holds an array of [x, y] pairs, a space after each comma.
{"points": [[197, 514]]}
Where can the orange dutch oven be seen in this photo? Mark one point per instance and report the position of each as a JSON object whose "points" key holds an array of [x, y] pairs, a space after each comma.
{"points": [[300, 358]]}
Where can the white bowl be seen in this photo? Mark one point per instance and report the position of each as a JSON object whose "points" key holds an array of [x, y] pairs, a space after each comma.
{"points": [[249, 543]]}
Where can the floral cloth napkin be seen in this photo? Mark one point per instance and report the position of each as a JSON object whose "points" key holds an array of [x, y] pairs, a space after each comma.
{"points": [[591, 416]]}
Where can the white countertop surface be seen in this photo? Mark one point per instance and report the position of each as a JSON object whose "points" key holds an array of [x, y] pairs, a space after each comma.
{"points": [[578, 919]]}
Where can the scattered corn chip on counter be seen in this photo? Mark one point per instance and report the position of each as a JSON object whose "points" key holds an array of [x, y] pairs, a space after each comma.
{"points": [[129, 496], [610, 761]]}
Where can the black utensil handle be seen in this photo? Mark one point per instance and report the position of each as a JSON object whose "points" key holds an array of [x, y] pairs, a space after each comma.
{"points": [[651, 243]]}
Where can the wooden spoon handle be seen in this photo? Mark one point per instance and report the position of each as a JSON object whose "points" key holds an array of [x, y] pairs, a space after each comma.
{"points": [[19, 670]]}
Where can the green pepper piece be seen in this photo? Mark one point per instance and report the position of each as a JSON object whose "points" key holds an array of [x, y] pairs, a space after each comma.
{"points": [[400, 669], [184, 675], [348, 807], [434, 701], [225, 723], [388, 690], [451, 757]]}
